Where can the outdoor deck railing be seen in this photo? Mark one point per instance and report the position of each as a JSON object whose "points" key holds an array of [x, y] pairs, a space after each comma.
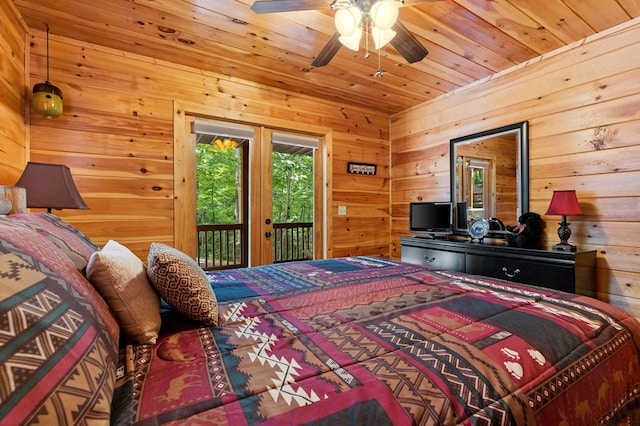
{"points": [[292, 241], [221, 246]]}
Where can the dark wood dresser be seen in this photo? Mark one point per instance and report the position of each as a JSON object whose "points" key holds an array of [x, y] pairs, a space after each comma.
{"points": [[570, 272]]}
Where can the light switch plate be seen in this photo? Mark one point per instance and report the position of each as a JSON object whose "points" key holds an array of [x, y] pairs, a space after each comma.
{"points": [[342, 210]]}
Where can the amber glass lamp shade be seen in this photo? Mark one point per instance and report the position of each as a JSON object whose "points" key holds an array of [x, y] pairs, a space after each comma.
{"points": [[47, 100]]}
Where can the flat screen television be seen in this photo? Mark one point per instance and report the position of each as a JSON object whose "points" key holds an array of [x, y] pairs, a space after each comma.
{"points": [[431, 218]]}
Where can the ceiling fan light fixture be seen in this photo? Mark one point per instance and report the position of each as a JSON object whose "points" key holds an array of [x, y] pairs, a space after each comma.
{"points": [[353, 41], [384, 14], [352, 18], [348, 20], [382, 37]]}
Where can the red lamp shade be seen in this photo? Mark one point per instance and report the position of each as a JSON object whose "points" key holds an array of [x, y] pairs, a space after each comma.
{"points": [[564, 203], [50, 186]]}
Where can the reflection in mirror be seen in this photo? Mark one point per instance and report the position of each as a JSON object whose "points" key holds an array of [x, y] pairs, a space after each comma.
{"points": [[489, 176], [475, 183]]}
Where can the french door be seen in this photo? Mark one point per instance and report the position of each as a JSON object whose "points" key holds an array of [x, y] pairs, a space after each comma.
{"points": [[290, 215], [278, 234]]}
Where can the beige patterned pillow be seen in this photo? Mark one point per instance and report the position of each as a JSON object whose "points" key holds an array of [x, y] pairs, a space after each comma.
{"points": [[121, 278], [182, 283]]}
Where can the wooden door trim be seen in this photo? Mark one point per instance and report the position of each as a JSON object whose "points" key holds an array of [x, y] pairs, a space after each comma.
{"points": [[184, 168], [184, 175], [264, 180]]}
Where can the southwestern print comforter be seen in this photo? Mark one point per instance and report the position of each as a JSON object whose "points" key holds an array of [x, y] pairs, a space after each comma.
{"points": [[368, 341]]}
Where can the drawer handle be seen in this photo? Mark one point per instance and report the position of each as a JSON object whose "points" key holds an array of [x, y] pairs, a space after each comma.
{"points": [[429, 259], [506, 272]]}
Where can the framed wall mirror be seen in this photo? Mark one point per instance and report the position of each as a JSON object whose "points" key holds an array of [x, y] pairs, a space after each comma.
{"points": [[490, 177]]}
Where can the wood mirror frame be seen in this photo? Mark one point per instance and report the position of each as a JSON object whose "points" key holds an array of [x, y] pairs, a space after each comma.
{"points": [[500, 159]]}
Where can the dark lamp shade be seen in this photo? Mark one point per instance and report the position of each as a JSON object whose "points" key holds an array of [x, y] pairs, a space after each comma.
{"points": [[564, 203], [47, 100], [50, 186]]}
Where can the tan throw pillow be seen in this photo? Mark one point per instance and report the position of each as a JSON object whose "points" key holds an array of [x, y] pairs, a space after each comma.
{"points": [[120, 277], [182, 283]]}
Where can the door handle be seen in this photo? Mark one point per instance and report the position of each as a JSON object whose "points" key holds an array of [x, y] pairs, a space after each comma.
{"points": [[267, 234]]}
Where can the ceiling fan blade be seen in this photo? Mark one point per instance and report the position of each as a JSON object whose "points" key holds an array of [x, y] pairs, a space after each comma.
{"points": [[271, 6], [328, 51], [407, 44]]}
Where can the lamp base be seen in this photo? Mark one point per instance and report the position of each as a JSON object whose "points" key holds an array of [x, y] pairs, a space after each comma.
{"points": [[564, 247]]}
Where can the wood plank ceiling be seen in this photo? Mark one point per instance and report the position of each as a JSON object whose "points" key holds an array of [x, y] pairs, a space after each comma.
{"points": [[467, 40]]}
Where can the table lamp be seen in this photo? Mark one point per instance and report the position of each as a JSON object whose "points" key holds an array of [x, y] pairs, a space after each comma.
{"points": [[564, 203], [50, 186]]}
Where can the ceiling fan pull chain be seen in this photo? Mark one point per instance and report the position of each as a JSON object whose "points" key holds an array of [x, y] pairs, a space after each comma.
{"points": [[379, 70], [366, 38]]}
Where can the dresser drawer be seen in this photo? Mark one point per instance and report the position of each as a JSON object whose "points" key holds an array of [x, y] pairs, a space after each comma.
{"points": [[546, 274], [434, 258]]}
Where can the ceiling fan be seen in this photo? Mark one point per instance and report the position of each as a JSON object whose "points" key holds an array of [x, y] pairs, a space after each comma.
{"points": [[352, 17]]}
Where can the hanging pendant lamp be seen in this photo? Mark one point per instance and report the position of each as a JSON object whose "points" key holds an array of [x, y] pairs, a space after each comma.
{"points": [[47, 98]]}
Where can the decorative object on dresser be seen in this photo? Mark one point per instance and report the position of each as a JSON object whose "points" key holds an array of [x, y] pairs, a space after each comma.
{"points": [[47, 98], [564, 203], [573, 272], [478, 229], [50, 186], [527, 232]]}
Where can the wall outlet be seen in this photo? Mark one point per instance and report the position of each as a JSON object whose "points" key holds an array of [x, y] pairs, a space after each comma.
{"points": [[342, 210]]}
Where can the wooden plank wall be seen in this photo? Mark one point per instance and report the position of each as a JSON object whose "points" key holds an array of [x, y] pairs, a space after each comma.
{"points": [[116, 135], [583, 108], [13, 93]]}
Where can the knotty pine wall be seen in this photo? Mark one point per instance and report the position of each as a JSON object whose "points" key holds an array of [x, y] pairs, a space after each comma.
{"points": [[13, 72], [583, 108], [116, 135]]}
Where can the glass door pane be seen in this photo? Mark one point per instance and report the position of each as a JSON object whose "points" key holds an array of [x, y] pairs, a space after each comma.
{"points": [[293, 199], [221, 196]]}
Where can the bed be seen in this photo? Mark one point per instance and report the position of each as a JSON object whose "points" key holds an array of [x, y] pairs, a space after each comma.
{"points": [[371, 341]]}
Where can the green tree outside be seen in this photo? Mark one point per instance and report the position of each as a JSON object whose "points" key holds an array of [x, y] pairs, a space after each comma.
{"points": [[218, 182], [292, 188], [217, 185]]}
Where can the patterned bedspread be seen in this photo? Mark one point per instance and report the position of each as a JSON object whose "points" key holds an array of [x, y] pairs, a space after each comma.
{"points": [[368, 341]]}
